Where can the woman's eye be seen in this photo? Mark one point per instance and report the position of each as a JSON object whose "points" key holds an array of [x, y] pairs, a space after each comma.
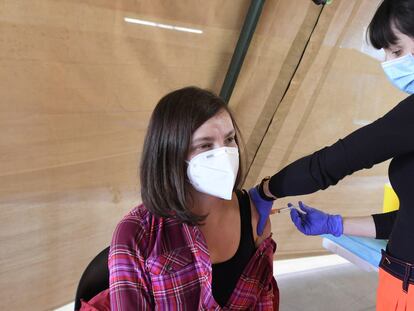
{"points": [[204, 146], [230, 140], [396, 53]]}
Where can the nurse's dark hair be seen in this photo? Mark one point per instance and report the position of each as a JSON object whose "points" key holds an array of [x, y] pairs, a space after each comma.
{"points": [[163, 170], [398, 13]]}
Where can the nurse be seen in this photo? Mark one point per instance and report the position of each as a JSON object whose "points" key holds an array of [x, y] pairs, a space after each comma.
{"points": [[389, 137]]}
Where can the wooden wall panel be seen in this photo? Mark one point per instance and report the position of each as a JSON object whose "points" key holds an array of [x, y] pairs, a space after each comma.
{"points": [[274, 55], [78, 87]]}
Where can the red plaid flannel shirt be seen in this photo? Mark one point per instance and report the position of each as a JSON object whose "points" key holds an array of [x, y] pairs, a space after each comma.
{"points": [[162, 264]]}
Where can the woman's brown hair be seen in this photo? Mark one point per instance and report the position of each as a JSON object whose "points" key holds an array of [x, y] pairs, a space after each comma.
{"points": [[164, 182]]}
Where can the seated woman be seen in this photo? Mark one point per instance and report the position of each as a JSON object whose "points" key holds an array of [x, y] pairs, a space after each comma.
{"points": [[192, 244]]}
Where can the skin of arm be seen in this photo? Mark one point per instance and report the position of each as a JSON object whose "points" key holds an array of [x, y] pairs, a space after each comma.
{"points": [[255, 218], [360, 226]]}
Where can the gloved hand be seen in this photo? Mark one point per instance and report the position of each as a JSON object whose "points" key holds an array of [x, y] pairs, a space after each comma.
{"points": [[316, 222], [263, 207]]}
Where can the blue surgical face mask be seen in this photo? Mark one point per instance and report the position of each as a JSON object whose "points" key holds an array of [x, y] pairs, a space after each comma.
{"points": [[401, 72]]}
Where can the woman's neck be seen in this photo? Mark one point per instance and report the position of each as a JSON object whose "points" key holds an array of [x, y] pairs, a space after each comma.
{"points": [[214, 207], [222, 239]]}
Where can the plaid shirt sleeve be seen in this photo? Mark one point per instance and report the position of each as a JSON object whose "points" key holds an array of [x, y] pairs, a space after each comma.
{"points": [[129, 284]]}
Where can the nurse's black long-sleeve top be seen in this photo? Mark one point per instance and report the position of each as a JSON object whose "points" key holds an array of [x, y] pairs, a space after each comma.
{"points": [[391, 136]]}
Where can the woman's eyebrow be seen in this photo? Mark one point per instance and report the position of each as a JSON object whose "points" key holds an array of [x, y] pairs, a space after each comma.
{"points": [[232, 132], [209, 138], [205, 138]]}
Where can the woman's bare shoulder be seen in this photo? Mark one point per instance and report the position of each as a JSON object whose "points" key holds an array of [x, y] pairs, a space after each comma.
{"points": [[255, 221]]}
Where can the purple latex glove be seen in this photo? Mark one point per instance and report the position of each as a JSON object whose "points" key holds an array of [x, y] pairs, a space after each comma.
{"points": [[316, 222], [263, 207]]}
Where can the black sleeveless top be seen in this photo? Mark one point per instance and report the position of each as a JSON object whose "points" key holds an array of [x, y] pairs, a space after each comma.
{"points": [[227, 273]]}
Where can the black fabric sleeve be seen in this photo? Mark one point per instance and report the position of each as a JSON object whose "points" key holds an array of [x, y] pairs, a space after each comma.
{"points": [[387, 137], [384, 224]]}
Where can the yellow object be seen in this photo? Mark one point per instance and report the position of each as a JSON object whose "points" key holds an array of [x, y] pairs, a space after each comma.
{"points": [[391, 201]]}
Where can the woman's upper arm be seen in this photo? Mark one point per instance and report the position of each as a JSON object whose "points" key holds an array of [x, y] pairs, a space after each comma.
{"points": [[255, 220], [129, 283], [383, 139]]}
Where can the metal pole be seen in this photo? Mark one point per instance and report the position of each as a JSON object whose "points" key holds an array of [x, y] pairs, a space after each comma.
{"points": [[242, 46]]}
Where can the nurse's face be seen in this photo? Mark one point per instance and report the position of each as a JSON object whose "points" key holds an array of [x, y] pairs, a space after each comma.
{"points": [[402, 47]]}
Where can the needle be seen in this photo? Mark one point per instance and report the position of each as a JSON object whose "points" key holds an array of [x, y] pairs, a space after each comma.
{"points": [[287, 208]]}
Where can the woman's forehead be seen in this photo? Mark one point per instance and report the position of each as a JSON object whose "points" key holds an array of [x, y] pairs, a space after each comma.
{"points": [[401, 37], [220, 123]]}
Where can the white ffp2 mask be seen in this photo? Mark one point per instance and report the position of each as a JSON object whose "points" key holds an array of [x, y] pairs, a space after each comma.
{"points": [[214, 172]]}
